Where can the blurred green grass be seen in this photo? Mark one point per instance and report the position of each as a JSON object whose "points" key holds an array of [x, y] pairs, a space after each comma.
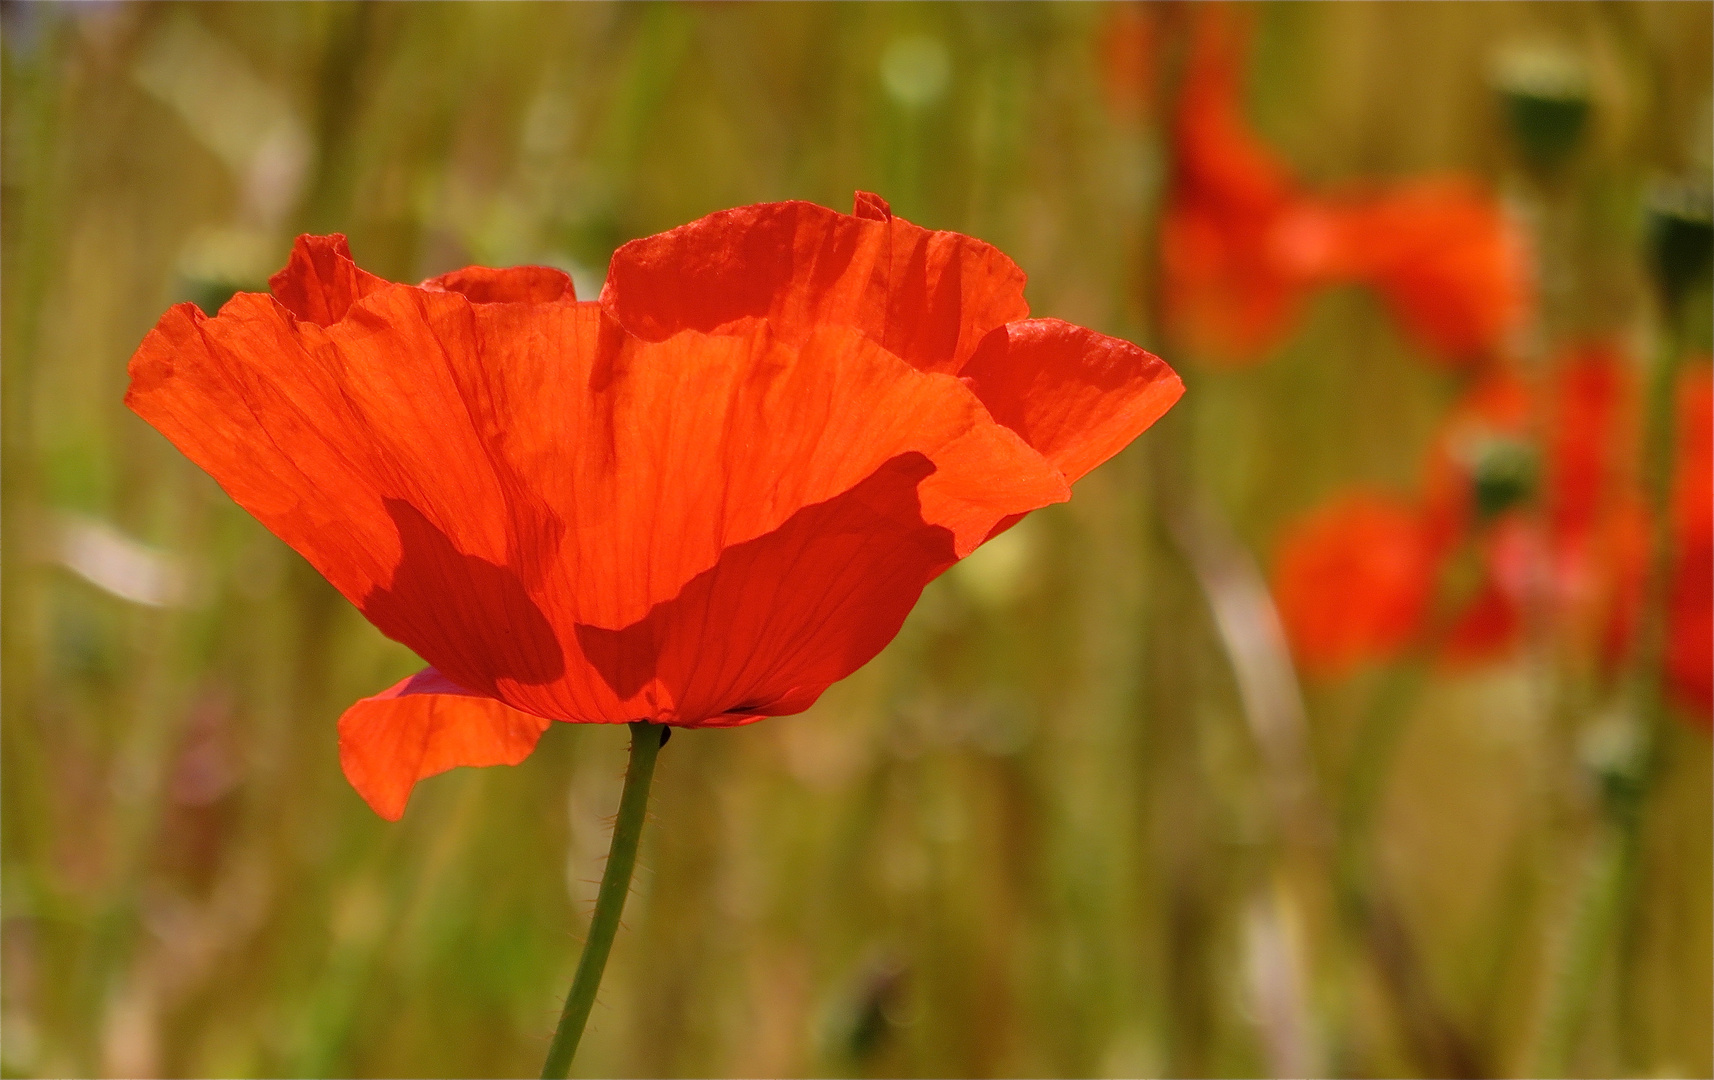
{"points": [[1036, 835]]}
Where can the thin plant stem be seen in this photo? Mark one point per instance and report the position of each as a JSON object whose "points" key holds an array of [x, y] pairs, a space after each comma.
{"points": [[1604, 911], [646, 742], [1382, 729], [1440, 1046], [1599, 908]]}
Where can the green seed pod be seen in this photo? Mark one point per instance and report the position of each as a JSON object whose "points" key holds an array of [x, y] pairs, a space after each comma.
{"points": [[1544, 90], [1681, 238]]}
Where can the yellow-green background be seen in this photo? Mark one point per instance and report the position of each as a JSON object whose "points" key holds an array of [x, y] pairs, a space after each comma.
{"points": [[1038, 835]]}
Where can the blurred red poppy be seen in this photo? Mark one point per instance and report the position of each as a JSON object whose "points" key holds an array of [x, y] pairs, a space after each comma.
{"points": [[1585, 559], [698, 501], [1240, 243], [1690, 598], [1244, 243], [1352, 582], [1450, 263]]}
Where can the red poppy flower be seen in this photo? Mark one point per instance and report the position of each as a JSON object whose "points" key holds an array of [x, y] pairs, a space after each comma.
{"points": [[1243, 243], [1352, 582], [1690, 603], [697, 501], [1240, 243], [1447, 259], [1586, 559]]}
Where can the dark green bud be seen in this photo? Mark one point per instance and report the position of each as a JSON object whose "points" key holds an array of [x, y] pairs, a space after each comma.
{"points": [[1503, 474], [1545, 93], [1681, 239]]}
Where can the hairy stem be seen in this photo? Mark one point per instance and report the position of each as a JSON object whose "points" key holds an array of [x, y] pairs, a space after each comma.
{"points": [[646, 742]]}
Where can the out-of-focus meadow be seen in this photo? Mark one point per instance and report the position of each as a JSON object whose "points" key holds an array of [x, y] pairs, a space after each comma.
{"points": [[1083, 817]]}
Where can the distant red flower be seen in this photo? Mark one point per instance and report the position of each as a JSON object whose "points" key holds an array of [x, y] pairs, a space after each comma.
{"points": [[1586, 560], [698, 501], [1352, 582], [1447, 259], [1240, 242], [1244, 243], [1690, 597]]}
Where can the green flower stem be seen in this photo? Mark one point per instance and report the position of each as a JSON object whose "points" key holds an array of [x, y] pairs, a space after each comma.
{"points": [[646, 742], [1601, 924], [1382, 729], [1599, 909]]}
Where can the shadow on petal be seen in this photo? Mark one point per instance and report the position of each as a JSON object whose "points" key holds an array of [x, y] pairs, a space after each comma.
{"points": [[470, 618], [781, 617]]}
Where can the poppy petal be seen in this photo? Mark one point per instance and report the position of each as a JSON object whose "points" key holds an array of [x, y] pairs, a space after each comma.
{"points": [[1447, 259], [1591, 405], [927, 297], [1216, 149], [422, 726], [1486, 628], [781, 617], [1690, 602], [867, 204], [212, 406], [357, 446], [513, 285], [690, 590], [1076, 396], [321, 282], [1240, 242], [1353, 581]]}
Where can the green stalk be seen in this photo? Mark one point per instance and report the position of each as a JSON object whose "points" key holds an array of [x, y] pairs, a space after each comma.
{"points": [[1382, 729], [646, 742], [1599, 909], [1605, 910]]}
